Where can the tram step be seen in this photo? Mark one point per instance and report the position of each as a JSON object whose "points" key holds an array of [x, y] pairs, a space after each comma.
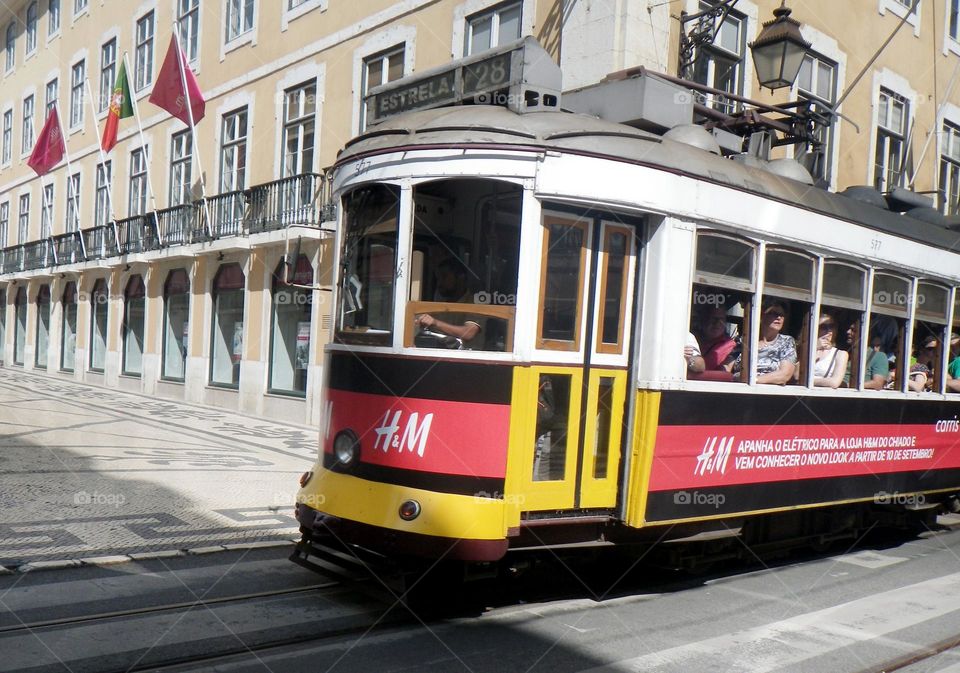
{"points": [[951, 521]]}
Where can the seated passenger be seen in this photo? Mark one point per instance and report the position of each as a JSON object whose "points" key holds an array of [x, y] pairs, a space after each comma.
{"points": [[922, 366], [451, 287], [953, 368], [776, 352], [691, 353], [717, 347], [878, 366], [831, 362]]}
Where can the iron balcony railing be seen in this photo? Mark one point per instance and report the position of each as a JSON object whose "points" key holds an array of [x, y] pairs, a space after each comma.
{"points": [[303, 199]]}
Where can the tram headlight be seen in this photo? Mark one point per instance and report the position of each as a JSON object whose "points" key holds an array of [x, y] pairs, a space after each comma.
{"points": [[409, 510], [346, 447]]}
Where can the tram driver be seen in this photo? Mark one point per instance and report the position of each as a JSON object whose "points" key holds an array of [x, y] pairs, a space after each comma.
{"points": [[451, 287]]}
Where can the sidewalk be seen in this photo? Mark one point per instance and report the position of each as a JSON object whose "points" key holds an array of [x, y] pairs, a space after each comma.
{"points": [[92, 472]]}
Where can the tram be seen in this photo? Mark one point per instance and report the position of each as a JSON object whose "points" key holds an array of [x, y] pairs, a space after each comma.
{"points": [[515, 286]]}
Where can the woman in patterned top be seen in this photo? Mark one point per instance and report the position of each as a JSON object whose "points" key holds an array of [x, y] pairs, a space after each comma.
{"points": [[776, 352]]}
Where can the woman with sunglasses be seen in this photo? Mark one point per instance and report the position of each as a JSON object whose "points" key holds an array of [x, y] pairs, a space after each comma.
{"points": [[830, 364], [777, 352]]}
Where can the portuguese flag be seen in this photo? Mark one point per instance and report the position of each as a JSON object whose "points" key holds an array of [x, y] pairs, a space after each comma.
{"points": [[121, 107]]}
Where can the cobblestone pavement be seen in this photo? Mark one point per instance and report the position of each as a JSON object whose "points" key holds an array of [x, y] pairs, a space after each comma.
{"points": [[87, 471]]}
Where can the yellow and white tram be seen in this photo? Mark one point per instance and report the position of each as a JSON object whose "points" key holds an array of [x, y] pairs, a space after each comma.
{"points": [[580, 252]]}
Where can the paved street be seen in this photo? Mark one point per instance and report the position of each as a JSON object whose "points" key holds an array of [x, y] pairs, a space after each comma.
{"points": [[91, 472]]}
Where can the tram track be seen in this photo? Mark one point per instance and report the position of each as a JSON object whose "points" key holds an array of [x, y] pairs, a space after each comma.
{"points": [[916, 657]]}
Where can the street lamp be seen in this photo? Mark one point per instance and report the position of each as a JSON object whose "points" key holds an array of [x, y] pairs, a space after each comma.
{"points": [[779, 50]]}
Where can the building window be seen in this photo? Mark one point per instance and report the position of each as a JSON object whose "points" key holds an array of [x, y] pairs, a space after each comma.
{"points": [[134, 307], [79, 6], [227, 334], [53, 17], [68, 333], [138, 183], [32, 28], [953, 13], [53, 87], [176, 325], [950, 170], [239, 18], [181, 157], [10, 47], [299, 112], [720, 63], [188, 14], [492, 28], [4, 232], [26, 140], [99, 309], [293, 4], [233, 169], [7, 135], [817, 82], [23, 220], [143, 68], [291, 328], [108, 73], [73, 203], [77, 74], [101, 214], [43, 328], [378, 69], [46, 211], [20, 328], [892, 114]]}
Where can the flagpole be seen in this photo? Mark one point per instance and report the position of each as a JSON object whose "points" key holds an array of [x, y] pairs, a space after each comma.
{"points": [[143, 146], [66, 153], [103, 162], [181, 62]]}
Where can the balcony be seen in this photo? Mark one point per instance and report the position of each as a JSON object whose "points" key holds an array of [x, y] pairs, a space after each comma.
{"points": [[301, 199]]}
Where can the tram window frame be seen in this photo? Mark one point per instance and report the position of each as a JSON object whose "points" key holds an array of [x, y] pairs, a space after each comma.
{"points": [[737, 290], [42, 329], [620, 296], [901, 318], [793, 297], [465, 236], [952, 383], [929, 324], [572, 222], [846, 310], [174, 288], [357, 250]]}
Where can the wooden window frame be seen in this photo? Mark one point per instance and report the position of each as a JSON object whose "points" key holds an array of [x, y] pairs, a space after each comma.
{"points": [[609, 229], [549, 219]]}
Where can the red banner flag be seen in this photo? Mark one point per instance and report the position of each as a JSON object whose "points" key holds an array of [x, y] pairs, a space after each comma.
{"points": [[121, 107], [49, 149], [168, 90]]}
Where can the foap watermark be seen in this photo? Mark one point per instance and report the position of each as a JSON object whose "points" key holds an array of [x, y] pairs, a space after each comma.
{"points": [[902, 499], [709, 299], [714, 500], [99, 499], [897, 298], [483, 497], [494, 298], [295, 298]]}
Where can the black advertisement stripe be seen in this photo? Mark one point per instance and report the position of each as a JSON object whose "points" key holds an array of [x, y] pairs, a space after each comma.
{"points": [[687, 407], [483, 487], [711, 501], [423, 379]]}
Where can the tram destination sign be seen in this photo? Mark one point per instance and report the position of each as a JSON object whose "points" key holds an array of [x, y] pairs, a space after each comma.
{"points": [[493, 77]]}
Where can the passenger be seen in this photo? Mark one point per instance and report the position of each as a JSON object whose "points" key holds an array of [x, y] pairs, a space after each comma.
{"points": [[451, 287], [691, 353], [718, 347], [776, 352], [878, 367], [953, 369], [831, 362], [923, 366]]}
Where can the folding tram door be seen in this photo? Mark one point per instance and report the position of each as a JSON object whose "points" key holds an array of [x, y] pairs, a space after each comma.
{"points": [[569, 417]]}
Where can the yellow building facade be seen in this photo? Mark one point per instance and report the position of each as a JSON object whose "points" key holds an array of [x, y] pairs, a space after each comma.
{"points": [[197, 266]]}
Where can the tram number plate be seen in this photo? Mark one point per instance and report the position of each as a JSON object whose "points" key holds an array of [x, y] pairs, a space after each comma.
{"points": [[489, 73]]}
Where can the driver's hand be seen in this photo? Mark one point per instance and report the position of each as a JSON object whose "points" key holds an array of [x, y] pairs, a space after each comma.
{"points": [[425, 320]]}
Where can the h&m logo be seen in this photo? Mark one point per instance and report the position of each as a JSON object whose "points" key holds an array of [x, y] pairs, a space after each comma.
{"points": [[714, 456], [415, 432]]}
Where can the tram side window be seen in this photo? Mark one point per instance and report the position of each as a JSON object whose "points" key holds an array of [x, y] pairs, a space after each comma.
{"points": [[886, 343], [953, 359], [929, 330], [843, 303], [464, 265], [781, 352], [721, 300], [369, 262]]}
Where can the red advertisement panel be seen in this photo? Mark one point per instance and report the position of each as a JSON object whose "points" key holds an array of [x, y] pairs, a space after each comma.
{"points": [[727, 455], [457, 438]]}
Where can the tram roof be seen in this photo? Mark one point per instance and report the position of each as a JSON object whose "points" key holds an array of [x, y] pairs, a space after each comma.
{"points": [[489, 125]]}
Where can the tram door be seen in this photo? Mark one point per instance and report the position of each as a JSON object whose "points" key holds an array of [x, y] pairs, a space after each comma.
{"points": [[574, 428]]}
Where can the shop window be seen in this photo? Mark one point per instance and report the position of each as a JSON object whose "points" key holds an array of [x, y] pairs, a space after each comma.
{"points": [[227, 334], [43, 328], [176, 325], [291, 328], [20, 329], [68, 334], [134, 307], [99, 309], [3, 324]]}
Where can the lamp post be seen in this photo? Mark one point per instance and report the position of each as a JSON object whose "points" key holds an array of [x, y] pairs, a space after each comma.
{"points": [[779, 50]]}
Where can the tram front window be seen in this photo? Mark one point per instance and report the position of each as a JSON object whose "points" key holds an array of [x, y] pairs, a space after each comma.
{"points": [[369, 262], [463, 268]]}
